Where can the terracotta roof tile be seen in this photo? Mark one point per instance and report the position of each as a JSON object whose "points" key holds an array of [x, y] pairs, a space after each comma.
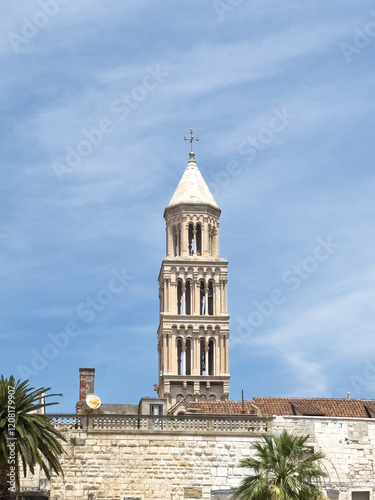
{"points": [[330, 407], [225, 407], [281, 406]]}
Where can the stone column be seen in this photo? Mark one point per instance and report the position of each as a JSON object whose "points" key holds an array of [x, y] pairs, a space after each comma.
{"points": [[216, 289], [226, 338], [164, 366], [206, 299], [222, 353], [183, 367], [217, 354], [184, 238], [173, 297], [225, 308], [206, 357]]}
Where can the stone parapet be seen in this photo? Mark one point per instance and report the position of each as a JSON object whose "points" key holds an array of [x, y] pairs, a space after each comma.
{"points": [[197, 424]]}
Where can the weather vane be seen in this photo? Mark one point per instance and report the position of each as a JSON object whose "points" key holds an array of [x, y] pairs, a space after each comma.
{"points": [[191, 139]]}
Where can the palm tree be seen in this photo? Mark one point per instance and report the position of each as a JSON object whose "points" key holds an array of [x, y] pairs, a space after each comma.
{"points": [[282, 470], [27, 438]]}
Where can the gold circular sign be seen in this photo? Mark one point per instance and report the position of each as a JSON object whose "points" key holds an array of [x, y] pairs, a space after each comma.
{"points": [[93, 401]]}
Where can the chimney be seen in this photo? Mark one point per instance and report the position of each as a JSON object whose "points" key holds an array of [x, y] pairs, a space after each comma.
{"points": [[86, 386]]}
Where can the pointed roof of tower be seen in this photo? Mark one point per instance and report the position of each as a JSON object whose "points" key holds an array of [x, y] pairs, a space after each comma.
{"points": [[192, 188]]}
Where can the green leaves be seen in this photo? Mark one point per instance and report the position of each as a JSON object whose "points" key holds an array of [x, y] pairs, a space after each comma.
{"points": [[37, 442], [282, 470]]}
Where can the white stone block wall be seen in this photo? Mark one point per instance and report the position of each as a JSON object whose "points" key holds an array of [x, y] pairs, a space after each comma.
{"points": [[348, 444], [111, 465]]}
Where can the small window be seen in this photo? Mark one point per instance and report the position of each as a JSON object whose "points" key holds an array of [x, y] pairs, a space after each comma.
{"points": [[210, 298], [199, 239], [179, 297], [188, 298], [156, 409], [202, 357], [332, 494], [202, 299], [191, 239], [360, 495], [188, 357]]}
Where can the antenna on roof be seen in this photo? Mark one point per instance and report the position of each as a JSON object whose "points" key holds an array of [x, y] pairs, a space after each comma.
{"points": [[243, 405]]}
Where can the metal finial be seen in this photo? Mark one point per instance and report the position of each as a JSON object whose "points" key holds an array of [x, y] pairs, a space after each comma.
{"points": [[191, 139]]}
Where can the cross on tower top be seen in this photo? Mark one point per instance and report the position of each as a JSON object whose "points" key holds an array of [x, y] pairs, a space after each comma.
{"points": [[191, 139]]}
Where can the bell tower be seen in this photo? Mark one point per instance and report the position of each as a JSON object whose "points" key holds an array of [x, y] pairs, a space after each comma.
{"points": [[193, 331]]}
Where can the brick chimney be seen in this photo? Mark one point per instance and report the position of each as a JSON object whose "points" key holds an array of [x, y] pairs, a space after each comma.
{"points": [[86, 386]]}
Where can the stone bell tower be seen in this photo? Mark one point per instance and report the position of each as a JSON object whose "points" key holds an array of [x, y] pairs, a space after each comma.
{"points": [[193, 331]]}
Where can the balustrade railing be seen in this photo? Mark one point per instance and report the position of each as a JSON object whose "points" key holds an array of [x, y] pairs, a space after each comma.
{"points": [[241, 424]]}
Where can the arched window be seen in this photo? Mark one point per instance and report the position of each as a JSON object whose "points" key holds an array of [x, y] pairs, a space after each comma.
{"points": [[179, 297], [199, 239], [211, 297], [188, 357], [211, 350], [188, 298], [202, 356], [161, 298], [177, 240], [179, 357], [191, 238], [202, 299]]}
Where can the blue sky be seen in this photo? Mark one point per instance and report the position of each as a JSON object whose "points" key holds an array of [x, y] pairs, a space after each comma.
{"points": [[96, 98]]}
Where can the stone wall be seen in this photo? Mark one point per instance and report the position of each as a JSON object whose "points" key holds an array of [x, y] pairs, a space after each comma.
{"points": [[349, 446], [109, 466], [156, 464]]}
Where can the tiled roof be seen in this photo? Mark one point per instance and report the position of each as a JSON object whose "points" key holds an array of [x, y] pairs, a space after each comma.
{"points": [[329, 407], [224, 407], [269, 406]]}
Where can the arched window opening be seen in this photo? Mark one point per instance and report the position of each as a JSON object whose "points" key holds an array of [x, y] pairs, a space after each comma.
{"points": [[199, 239], [211, 357], [202, 299], [202, 353], [175, 241], [188, 298], [179, 297], [210, 297], [161, 299], [191, 238], [179, 356], [188, 357]]}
